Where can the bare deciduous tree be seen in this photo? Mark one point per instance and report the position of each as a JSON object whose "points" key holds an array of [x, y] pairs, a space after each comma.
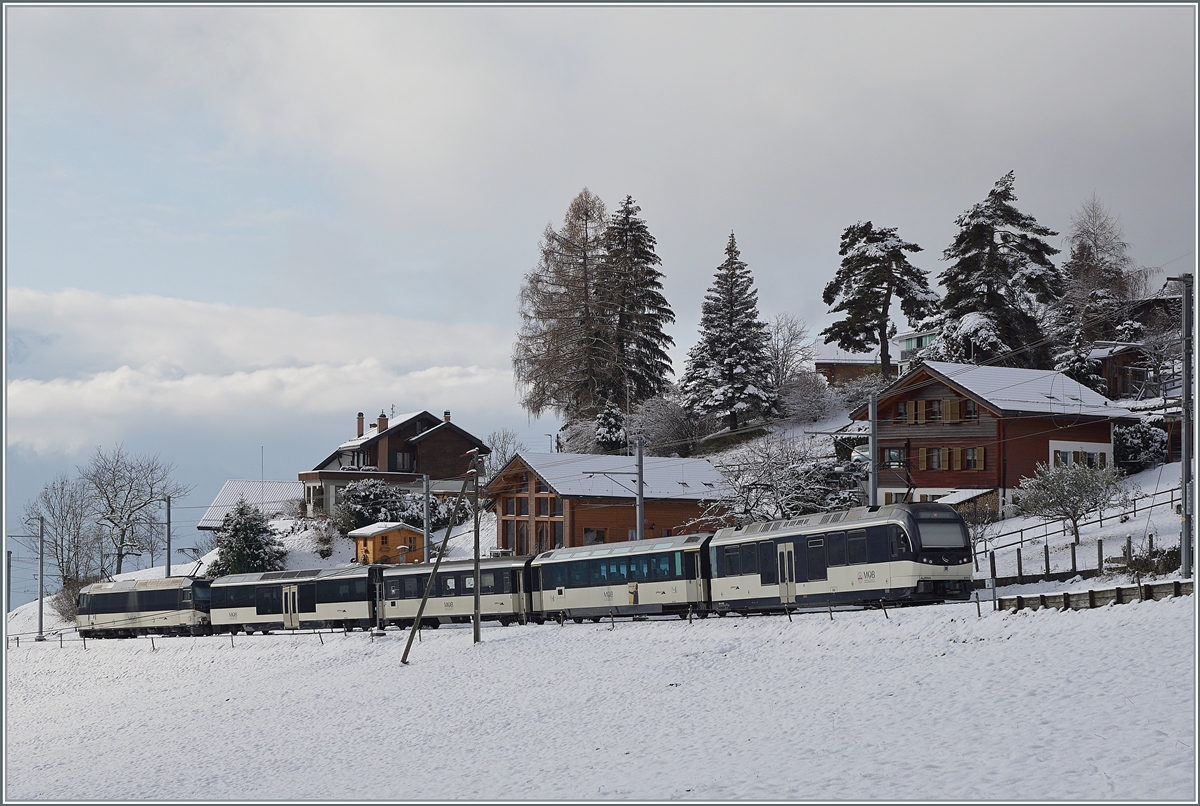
{"points": [[505, 444], [789, 349], [1071, 492], [72, 541], [126, 492]]}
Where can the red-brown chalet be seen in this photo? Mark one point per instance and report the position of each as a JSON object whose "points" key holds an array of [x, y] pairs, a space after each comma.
{"points": [[398, 453], [952, 428]]}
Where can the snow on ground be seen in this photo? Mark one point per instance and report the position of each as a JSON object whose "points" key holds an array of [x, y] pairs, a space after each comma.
{"points": [[924, 703]]}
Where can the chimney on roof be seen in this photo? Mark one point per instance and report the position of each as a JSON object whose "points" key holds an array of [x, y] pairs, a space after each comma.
{"points": [[446, 416], [360, 423], [381, 423]]}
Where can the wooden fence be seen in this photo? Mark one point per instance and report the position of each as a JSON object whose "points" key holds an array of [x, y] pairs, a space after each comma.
{"points": [[1085, 600]]}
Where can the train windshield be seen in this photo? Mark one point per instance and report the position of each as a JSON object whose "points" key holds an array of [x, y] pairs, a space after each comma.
{"points": [[942, 535]]}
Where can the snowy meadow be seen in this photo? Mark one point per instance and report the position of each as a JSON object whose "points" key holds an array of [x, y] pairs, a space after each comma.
{"points": [[917, 704]]}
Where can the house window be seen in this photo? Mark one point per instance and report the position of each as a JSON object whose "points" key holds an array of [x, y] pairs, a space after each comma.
{"points": [[893, 457], [383, 541], [542, 487], [510, 506], [1062, 458], [969, 410], [933, 411], [543, 507], [934, 459], [972, 458], [339, 493], [400, 461], [522, 506], [510, 531], [593, 536], [558, 534], [901, 417], [557, 508]]}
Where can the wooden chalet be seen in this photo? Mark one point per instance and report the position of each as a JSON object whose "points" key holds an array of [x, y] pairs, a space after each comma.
{"points": [[949, 428], [397, 452], [387, 542], [545, 501]]}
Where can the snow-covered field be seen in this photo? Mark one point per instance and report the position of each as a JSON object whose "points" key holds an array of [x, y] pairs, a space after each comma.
{"points": [[934, 703]]}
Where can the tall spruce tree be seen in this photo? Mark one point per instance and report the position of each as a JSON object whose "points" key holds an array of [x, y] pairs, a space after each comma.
{"points": [[1000, 275], [245, 543], [874, 270], [638, 310], [563, 349], [728, 369]]}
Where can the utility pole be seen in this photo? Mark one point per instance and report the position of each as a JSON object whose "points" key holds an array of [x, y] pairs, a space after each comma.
{"points": [[168, 535], [475, 504], [1185, 436], [873, 449], [8, 584], [41, 574], [416, 625], [425, 480], [641, 499]]}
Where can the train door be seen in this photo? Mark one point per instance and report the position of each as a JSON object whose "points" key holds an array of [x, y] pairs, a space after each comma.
{"points": [[787, 573], [291, 607]]}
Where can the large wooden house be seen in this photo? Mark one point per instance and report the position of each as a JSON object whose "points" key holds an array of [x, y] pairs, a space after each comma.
{"points": [[388, 542], [399, 452], [947, 428], [545, 501]]}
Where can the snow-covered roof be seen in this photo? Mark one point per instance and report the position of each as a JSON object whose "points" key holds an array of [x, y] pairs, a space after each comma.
{"points": [[582, 475], [373, 431], [1028, 390], [269, 496], [962, 496], [830, 352], [380, 528]]}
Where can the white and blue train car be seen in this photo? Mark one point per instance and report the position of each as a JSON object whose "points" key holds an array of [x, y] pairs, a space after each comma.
{"points": [[164, 606], [899, 553], [657, 576], [504, 593], [290, 600]]}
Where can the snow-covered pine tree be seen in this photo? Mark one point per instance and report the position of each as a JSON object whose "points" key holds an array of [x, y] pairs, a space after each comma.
{"points": [[638, 310], [610, 428], [370, 501], [563, 349], [1072, 356], [1000, 275], [728, 369], [874, 269], [245, 543]]}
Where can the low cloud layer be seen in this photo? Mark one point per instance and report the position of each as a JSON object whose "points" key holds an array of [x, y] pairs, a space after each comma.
{"points": [[85, 368]]}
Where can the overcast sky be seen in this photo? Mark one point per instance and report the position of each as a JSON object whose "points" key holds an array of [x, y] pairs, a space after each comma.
{"points": [[230, 229]]}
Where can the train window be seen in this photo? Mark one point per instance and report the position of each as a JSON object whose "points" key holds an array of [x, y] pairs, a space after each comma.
{"points": [[391, 589], [679, 565], [898, 540], [268, 600], [555, 575], [835, 545], [733, 563], [83, 603], [468, 584], [660, 566], [487, 582], [750, 559], [597, 572], [816, 559], [689, 564], [157, 600], [577, 573], [856, 547], [446, 586], [639, 568], [766, 563], [186, 596], [618, 570], [308, 597], [941, 535]]}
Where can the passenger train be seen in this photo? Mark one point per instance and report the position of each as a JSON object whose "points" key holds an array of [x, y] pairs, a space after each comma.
{"points": [[897, 554]]}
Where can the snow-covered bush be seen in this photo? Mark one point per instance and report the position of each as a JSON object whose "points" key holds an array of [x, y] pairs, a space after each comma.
{"points": [[371, 501], [1138, 447], [610, 428], [807, 397], [669, 427], [246, 544], [855, 391]]}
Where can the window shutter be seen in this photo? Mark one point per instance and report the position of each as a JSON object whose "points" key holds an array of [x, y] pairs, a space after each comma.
{"points": [[979, 463], [921, 415], [958, 458], [920, 458], [950, 412], [1077, 457], [910, 414], [1103, 460]]}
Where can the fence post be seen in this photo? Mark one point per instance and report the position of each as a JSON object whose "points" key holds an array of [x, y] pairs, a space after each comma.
{"points": [[1128, 549], [992, 563], [1020, 569], [1100, 556], [1151, 539], [1073, 568], [1046, 549]]}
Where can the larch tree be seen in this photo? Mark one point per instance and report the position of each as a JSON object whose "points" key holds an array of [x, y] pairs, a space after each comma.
{"points": [[1001, 273], [564, 343], [640, 365], [728, 369], [874, 271]]}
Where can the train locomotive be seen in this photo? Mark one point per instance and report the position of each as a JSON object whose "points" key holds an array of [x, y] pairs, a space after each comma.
{"points": [[899, 554]]}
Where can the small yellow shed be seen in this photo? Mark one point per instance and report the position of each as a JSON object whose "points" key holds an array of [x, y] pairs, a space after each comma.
{"points": [[387, 542]]}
